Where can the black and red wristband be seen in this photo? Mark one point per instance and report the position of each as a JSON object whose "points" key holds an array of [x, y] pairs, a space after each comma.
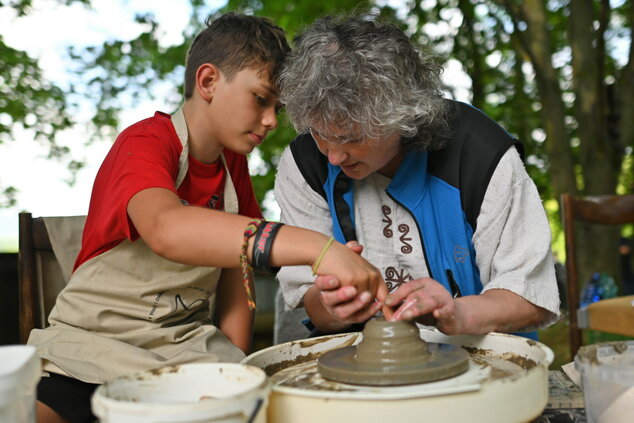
{"points": [[261, 253]]}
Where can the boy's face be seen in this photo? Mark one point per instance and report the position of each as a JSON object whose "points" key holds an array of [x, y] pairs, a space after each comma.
{"points": [[244, 109]]}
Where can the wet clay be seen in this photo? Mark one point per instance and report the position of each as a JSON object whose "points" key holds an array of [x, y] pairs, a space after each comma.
{"points": [[390, 354], [521, 361], [483, 368], [590, 353], [271, 369]]}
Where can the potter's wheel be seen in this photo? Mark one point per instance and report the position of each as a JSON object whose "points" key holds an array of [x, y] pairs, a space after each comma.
{"points": [[506, 381], [390, 354]]}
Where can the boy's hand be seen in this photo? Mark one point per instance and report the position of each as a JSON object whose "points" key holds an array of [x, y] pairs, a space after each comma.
{"points": [[344, 302], [355, 246], [429, 303], [350, 269]]}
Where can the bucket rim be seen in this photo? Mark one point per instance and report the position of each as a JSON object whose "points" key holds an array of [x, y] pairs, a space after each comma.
{"points": [[261, 388]]}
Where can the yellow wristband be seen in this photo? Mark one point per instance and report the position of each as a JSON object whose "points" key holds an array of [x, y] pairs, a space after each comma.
{"points": [[321, 256]]}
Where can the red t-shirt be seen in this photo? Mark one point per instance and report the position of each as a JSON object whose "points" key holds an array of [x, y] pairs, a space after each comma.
{"points": [[145, 155]]}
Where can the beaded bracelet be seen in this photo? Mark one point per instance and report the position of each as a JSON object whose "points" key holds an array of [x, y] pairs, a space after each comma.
{"points": [[251, 229], [321, 255], [262, 245]]}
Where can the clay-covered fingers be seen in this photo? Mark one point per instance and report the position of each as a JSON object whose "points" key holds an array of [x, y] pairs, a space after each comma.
{"points": [[387, 312], [359, 309], [382, 292], [415, 306], [398, 296], [417, 299]]}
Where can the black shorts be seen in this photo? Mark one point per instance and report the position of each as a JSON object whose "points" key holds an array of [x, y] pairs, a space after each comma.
{"points": [[69, 397]]}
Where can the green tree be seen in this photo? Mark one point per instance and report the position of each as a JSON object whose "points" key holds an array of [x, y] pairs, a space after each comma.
{"points": [[553, 73]]}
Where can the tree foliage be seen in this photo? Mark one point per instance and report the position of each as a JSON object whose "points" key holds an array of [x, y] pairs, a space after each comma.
{"points": [[558, 74], [29, 102]]}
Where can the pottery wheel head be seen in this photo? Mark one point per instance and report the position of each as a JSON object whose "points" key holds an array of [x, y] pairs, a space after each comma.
{"points": [[392, 353]]}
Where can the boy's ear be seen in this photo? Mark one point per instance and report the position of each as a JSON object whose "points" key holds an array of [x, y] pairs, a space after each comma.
{"points": [[207, 77]]}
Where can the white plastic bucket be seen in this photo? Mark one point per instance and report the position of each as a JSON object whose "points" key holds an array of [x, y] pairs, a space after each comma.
{"points": [[197, 392], [20, 371], [607, 376]]}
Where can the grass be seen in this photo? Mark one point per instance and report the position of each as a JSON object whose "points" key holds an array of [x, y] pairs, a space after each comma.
{"points": [[556, 337]]}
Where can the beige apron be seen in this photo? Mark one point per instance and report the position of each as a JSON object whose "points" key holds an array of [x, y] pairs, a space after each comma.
{"points": [[129, 310]]}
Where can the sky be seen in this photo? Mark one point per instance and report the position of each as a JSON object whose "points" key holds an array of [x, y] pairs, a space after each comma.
{"points": [[41, 183]]}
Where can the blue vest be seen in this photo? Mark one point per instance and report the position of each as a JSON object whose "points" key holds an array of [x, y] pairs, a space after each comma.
{"points": [[445, 233]]}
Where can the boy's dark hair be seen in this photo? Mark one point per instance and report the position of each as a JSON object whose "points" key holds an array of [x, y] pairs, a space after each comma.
{"points": [[233, 42]]}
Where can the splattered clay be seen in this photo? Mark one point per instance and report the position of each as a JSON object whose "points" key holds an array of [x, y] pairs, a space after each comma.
{"points": [[302, 371]]}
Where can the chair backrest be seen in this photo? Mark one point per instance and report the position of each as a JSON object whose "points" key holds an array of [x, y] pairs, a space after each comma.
{"points": [[48, 247], [604, 209]]}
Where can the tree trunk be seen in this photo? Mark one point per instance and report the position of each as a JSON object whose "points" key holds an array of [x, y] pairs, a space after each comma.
{"points": [[474, 61], [623, 107], [599, 162], [599, 159], [536, 43]]}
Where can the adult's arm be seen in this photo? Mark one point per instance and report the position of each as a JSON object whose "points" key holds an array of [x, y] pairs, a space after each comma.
{"points": [[495, 310], [513, 255], [513, 241]]}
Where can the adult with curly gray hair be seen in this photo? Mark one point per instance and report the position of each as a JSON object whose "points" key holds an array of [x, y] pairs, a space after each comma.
{"points": [[431, 191]]}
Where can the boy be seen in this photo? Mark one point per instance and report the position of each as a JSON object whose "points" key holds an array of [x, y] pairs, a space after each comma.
{"points": [[153, 253]]}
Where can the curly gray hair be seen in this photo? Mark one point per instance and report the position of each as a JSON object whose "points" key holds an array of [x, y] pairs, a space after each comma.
{"points": [[358, 72]]}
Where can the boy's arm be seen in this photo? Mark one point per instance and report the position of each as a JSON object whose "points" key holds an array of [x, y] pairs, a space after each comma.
{"points": [[235, 319], [204, 237]]}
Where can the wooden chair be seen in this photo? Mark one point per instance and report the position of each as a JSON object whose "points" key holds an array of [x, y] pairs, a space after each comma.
{"points": [[614, 315], [45, 261]]}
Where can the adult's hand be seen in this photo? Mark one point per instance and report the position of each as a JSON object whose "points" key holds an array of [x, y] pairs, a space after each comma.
{"points": [[428, 302]]}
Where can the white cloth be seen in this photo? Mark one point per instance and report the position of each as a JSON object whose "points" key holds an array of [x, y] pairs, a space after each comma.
{"points": [[512, 238]]}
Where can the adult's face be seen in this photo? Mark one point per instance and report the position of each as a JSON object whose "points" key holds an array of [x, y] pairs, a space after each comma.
{"points": [[359, 157]]}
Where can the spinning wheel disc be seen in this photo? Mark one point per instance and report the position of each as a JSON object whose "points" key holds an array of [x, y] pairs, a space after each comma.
{"points": [[392, 353]]}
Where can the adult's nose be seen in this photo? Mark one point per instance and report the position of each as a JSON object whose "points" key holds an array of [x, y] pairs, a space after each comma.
{"points": [[336, 155]]}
